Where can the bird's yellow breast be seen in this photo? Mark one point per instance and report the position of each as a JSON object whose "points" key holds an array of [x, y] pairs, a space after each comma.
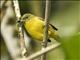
{"points": [[35, 27]]}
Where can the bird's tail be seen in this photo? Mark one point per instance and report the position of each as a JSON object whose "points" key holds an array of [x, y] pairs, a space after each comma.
{"points": [[55, 36]]}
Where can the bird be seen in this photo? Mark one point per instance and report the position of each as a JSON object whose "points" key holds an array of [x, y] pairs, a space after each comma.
{"points": [[34, 27]]}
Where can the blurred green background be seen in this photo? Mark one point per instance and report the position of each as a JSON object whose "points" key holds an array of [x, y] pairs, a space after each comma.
{"points": [[65, 15]]}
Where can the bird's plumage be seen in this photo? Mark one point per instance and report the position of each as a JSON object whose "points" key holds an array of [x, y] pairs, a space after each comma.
{"points": [[35, 27]]}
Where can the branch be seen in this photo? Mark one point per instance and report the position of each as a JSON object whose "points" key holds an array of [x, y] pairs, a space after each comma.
{"points": [[41, 52], [7, 31], [18, 15], [45, 38]]}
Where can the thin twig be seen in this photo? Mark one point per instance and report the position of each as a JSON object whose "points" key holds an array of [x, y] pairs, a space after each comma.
{"points": [[18, 15], [45, 38]]}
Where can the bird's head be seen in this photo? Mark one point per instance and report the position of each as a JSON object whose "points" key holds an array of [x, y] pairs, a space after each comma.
{"points": [[26, 17]]}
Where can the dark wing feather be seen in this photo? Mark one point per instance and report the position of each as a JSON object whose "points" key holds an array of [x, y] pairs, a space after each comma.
{"points": [[54, 27]]}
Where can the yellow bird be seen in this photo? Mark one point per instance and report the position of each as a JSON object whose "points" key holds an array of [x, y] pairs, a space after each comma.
{"points": [[34, 26]]}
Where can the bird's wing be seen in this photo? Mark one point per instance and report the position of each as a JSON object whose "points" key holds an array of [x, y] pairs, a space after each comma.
{"points": [[49, 24], [53, 27]]}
